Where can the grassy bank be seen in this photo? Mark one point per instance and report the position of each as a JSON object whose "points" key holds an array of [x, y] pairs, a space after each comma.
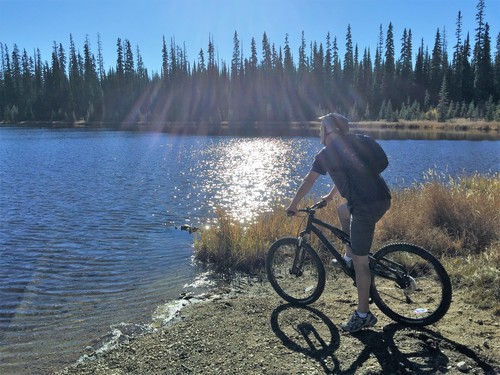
{"points": [[456, 124], [457, 220]]}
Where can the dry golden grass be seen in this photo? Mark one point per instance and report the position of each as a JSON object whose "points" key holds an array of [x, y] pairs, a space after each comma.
{"points": [[456, 219], [448, 217], [230, 246], [461, 124]]}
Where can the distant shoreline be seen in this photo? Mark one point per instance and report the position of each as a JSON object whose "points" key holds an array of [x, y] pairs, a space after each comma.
{"points": [[269, 128]]}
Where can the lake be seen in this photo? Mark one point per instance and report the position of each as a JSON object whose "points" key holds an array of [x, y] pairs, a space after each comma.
{"points": [[90, 249]]}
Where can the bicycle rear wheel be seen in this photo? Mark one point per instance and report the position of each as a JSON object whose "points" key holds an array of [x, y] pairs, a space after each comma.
{"points": [[295, 272], [410, 285]]}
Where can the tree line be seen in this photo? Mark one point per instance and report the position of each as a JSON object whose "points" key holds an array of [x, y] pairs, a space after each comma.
{"points": [[273, 87]]}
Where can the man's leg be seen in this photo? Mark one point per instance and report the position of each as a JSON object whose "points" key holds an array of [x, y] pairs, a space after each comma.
{"points": [[362, 230], [363, 281], [345, 222], [361, 242]]}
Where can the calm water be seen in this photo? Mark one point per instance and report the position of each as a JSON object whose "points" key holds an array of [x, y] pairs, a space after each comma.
{"points": [[88, 242]]}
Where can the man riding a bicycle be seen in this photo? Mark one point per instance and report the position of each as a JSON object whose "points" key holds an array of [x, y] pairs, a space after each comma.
{"points": [[367, 199]]}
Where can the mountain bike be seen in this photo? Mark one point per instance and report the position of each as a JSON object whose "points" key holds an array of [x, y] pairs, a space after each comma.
{"points": [[409, 284]]}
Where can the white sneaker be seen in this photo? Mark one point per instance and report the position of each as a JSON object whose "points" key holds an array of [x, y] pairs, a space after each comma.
{"points": [[357, 323]]}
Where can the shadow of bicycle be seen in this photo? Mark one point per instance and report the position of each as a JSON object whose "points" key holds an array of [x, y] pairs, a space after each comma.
{"points": [[308, 331], [397, 349]]}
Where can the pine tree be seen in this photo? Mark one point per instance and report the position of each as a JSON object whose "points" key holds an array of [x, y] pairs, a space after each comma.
{"points": [[16, 76], [436, 77], [455, 85], [497, 69], [288, 59], [442, 107], [366, 81], [482, 57], [235, 62], [211, 67], [483, 83], [266, 63], [100, 59], [253, 57], [142, 72], [390, 68], [405, 60], [27, 89], [164, 59], [348, 72], [467, 73], [120, 70], [378, 73], [478, 46], [328, 61], [302, 57], [336, 66], [201, 62], [92, 92], [129, 65]]}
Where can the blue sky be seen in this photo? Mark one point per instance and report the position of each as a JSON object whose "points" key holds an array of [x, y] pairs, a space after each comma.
{"points": [[38, 23]]}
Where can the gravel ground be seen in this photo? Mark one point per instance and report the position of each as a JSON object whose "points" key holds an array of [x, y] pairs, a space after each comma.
{"points": [[248, 329]]}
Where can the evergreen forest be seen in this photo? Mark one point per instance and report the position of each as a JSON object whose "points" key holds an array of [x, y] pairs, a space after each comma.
{"points": [[401, 79]]}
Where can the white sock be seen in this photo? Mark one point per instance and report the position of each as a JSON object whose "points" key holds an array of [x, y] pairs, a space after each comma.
{"points": [[362, 315]]}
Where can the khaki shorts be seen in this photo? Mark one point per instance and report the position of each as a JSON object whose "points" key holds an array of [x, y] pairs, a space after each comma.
{"points": [[363, 220]]}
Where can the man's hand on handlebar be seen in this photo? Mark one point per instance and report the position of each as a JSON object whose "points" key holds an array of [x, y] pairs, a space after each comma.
{"points": [[291, 211]]}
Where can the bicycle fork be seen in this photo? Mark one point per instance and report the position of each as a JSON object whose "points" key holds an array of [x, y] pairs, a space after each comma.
{"points": [[300, 254]]}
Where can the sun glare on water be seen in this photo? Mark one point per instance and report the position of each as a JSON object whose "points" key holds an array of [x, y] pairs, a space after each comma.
{"points": [[248, 175]]}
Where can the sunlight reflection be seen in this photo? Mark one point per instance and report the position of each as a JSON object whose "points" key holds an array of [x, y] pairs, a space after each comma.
{"points": [[247, 175]]}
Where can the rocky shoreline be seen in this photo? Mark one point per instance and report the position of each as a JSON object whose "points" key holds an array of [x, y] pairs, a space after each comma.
{"points": [[248, 329]]}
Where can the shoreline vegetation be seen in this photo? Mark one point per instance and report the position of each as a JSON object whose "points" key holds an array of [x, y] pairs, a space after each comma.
{"points": [[455, 219], [270, 128]]}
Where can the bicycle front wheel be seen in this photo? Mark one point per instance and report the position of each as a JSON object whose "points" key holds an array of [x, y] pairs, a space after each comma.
{"points": [[295, 272], [410, 285]]}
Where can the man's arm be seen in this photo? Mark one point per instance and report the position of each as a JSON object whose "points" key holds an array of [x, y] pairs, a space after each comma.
{"points": [[304, 188], [331, 194]]}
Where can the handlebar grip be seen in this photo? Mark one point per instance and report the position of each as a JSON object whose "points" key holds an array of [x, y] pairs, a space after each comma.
{"points": [[322, 203]]}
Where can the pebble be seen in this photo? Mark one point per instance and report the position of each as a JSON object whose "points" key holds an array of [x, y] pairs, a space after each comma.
{"points": [[462, 366]]}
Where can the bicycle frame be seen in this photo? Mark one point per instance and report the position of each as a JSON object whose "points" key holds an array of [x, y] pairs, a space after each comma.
{"points": [[382, 270], [341, 235]]}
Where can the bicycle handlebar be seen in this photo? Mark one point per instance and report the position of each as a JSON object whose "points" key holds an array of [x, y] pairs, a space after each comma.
{"points": [[311, 209]]}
